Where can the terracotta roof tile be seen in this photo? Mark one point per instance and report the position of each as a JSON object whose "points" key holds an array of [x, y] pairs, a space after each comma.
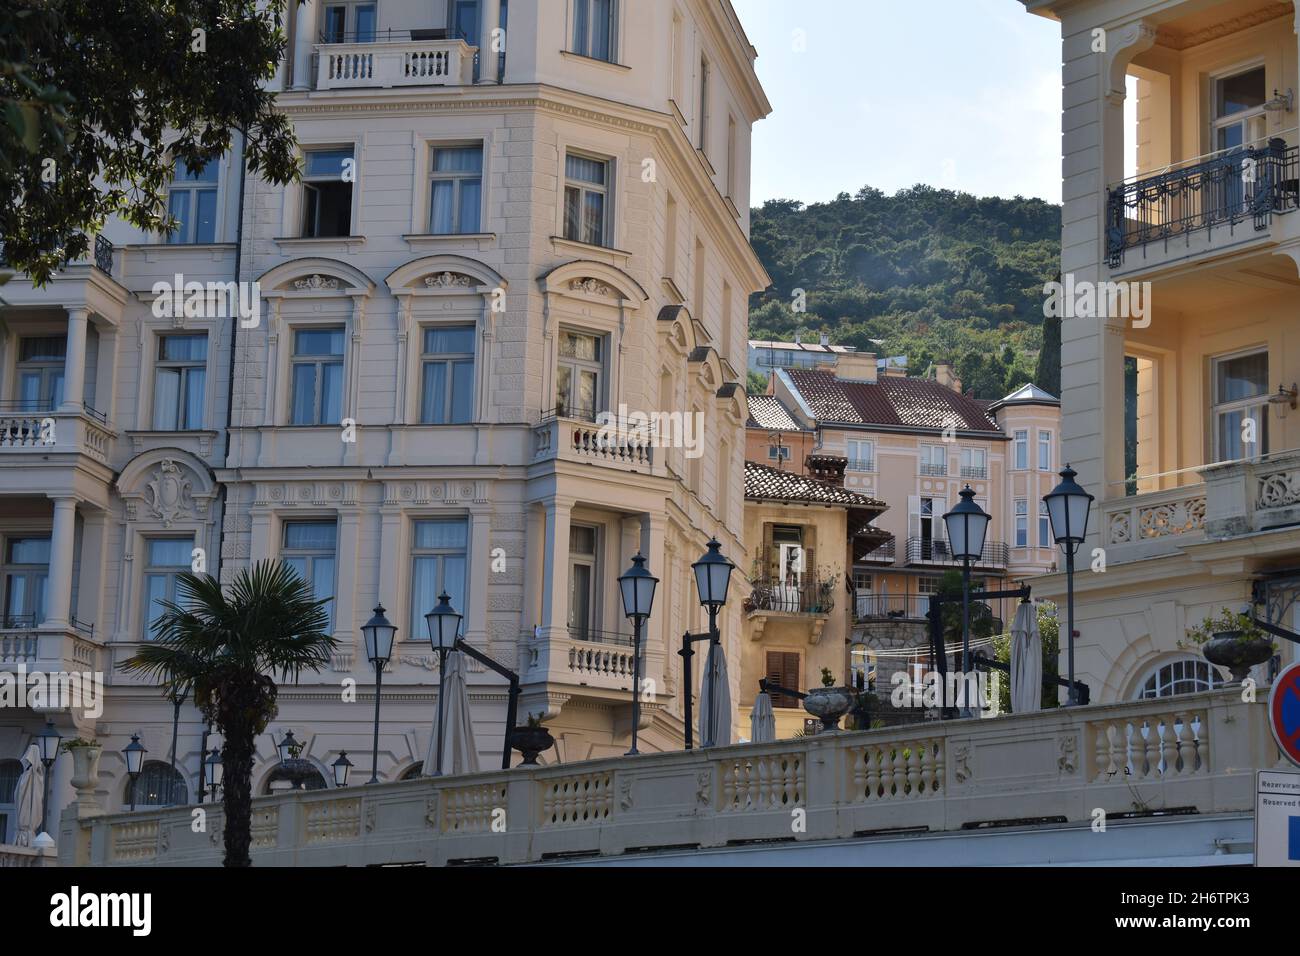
{"points": [[769, 412], [893, 400], [767, 484]]}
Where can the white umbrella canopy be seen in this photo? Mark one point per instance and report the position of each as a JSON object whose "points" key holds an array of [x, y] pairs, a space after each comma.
{"points": [[459, 755], [762, 721], [715, 700], [28, 795], [1026, 661]]}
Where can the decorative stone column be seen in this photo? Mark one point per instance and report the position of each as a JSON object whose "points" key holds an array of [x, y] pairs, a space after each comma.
{"points": [[74, 364], [489, 20], [62, 542], [304, 39], [555, 581]]}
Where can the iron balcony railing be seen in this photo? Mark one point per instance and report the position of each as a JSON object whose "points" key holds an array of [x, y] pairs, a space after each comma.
{"points": [[103, 255], [876, 607], [938, 551], [1245, 183], [933, 470], [861, 464], [885, 552], [804, 594], [974, 471]]}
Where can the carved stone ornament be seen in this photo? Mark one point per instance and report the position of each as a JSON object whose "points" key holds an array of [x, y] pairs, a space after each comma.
{"points": [[315, 282], [591, 287], [170, 493], [449, 280]]}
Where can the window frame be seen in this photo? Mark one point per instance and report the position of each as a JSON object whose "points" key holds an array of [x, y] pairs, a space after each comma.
{"points": [[582, 13], [48, 370], [449, 360], [456, 178], [168, 572], [1020, 449], [1044, 526], [1045, 446], [590, 560], [187, 235], [969, 469], [310, 555], [1244, 405], [319, 361], [928, 466], [1020, 533], [577, 365], [351, 10], [605, 190], [311, 194], [184, 367], [859, 462], [439, 554], [702, 136], [27, 572]]}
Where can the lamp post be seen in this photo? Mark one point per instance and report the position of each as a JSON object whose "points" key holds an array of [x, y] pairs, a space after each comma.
{"points": [[444, 628], [1068, 506], [379, 633], [712, 579], [638, 589], [213, 764], [341, 768], [177, 697], [49, 741], [134, 753], [967, 524]]}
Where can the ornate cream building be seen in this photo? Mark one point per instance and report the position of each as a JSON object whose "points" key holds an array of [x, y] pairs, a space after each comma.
{"points": [[486, 252], [1179, 416]]}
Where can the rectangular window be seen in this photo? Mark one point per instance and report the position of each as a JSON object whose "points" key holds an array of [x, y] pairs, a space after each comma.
{"points": [[928, 584], [192, 202], [165, 558], [40, 373], [595, 28], [455, 190], [438, 565], [1044, 450], [1021, 443], [579, 376], [1240, 412], [974, 463], [586, 206], [317, 377], [447, 391], [861, 455], [309, 548], [730, 172], [349, 23], [783, 671], [1044, 526], [180, 377], [1022, 523], [26, 578], [1240, 119], [703, 116], [583, 588], [778, 452], [326, 195], [934, 460]]}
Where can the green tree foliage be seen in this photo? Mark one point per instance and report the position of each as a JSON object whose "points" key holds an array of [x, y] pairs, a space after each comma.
{"points": [[98, 97], [927, 273], [1047, 374], [756, 383]]}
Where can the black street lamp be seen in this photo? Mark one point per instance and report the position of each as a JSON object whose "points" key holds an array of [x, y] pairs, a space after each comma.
{"points": [[967, 524], [444, 629], [177, 696], [379, 633], [712, 579], [134, 753], [638, 588], [48, 741], [1068, 506], [341, 768], [213, 764]]}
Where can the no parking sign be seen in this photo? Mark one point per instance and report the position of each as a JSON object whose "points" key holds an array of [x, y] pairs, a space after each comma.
{"points": [[1284, 712]]}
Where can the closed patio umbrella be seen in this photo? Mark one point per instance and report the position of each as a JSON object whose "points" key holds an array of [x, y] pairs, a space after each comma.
{"points": [[28, 795], [459, 755], [1026, 661], [715, 700], [762, 721]]}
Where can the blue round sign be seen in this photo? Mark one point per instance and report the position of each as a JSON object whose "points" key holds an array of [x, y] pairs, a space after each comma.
{"points": [[1284, 712]]}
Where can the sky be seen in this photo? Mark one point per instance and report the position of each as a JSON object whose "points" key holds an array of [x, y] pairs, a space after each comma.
{"points": [[958, 94]]}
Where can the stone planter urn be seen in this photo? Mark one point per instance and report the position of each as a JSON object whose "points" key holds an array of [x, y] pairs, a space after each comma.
{"points": [[297, 771], [1227, 649], [531, 741], [85, 775], [829, 704]]}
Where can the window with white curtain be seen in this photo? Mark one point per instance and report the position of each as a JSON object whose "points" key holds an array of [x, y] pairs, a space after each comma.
{"points": [[439, 557], [595, 29], [317, 377], [447, 386], [165, 560], [180, 380], [586, 193], [192, 202], [309, 548], [455, 189]]}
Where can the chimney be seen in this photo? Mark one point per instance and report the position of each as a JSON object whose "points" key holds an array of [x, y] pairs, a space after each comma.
{"points": [[945, 376], [798, 338], [826, 340], [856, 367]]}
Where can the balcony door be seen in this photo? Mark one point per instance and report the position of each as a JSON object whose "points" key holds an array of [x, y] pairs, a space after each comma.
{"points": [[26, 578], [349, 23], [583, 577], [1240, 411], [40, 373], [1239, 117]]}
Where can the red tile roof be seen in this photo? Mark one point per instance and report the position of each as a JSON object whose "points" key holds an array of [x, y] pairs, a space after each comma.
{"points": [[770, 484], [893, 400], [769, 412]]}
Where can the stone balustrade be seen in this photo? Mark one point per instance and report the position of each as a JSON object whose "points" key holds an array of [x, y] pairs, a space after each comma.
{"points": [[394, 64], [1195, 751]]}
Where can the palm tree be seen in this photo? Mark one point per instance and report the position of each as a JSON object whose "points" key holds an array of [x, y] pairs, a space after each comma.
{"points": [[226, 648]]}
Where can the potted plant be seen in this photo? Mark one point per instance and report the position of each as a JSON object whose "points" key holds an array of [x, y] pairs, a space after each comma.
{"points": [[829, 703], [1232, 640], [531, 740], [85, 761]]}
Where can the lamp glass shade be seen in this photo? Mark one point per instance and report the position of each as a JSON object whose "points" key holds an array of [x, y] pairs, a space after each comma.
{"points": [[213, 764], [379, 633], [341, 768], [1068, 506], [49, 742], [287, 746], [134, 753], [637, 586], [713, 576], [967, 524], [444, 624]]}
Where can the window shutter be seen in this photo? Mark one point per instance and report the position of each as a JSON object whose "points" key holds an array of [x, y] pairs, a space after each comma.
{"points": [[913, 516], [783, 670], [937, 527]]}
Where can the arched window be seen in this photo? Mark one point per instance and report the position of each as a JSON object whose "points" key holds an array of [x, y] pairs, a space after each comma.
{"points": [[1184, 676], [10, 771], [158, 786], [413, 771], [278, 781]]}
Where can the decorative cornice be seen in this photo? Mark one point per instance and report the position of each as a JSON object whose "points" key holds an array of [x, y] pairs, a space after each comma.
{"points": [[1182, 41]]}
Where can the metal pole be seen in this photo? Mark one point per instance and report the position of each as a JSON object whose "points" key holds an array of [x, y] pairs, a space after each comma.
{"points": [[687, 652], [203, 756], [1073, 698], [374, 759], [714, 640], [636, 681], [965, 634], [512, 718], [45, 798], [442, 698]]}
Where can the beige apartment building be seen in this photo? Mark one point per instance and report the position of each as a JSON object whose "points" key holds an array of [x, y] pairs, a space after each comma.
{"points": [[512, 220], [1180, 417], [913, 443]]}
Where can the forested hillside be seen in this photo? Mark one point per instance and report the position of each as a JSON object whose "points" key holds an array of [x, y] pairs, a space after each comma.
{"points": [[933, 273]]}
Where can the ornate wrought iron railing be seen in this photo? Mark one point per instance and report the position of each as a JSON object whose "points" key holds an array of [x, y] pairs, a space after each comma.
{"points": [[103, 255], [938, 551], [807, 595], [1249, 183]]}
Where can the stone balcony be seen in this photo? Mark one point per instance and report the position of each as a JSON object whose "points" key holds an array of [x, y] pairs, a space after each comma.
{"points": [[25, 435], [1231, 499], [45, 649], [1196, 753], [387, 64], [584, 443]]}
